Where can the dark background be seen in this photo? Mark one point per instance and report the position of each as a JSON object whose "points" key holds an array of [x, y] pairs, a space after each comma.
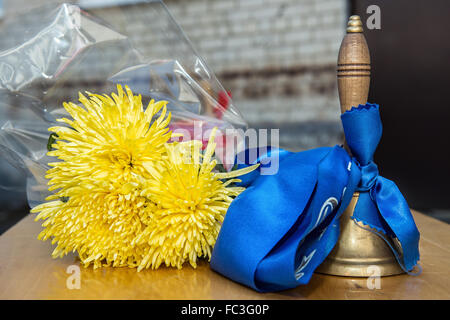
{"points": [[411, 82]]}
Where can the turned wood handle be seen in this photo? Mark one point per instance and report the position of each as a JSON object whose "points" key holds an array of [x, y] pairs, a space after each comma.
{"points": [[353, 69]]}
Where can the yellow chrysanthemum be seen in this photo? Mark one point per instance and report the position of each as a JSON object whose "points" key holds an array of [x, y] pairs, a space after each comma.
{"points": [[123, 196], [191, 204], [110, 137], [111, 146]]}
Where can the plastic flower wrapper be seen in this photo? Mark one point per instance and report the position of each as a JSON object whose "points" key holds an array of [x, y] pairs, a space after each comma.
{"points": [[114, 181]]}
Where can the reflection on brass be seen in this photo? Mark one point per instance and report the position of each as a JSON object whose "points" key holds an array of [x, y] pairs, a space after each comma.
{"points": [[358, 249], [354, 25]]}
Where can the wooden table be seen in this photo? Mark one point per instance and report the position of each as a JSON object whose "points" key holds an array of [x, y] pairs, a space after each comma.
{"points": [[27, 271]]}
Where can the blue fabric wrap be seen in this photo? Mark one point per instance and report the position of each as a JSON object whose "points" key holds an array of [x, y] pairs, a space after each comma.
{"points": [[282, 227], [264, 237], [381, 205]]}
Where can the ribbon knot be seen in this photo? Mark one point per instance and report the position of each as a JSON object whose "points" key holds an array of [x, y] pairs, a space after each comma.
{"points": [[369, 176]]}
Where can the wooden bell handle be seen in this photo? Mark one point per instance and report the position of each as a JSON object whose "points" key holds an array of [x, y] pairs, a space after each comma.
{"points": [[353, 69]]}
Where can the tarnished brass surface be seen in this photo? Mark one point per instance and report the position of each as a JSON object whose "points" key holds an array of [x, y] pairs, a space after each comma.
{"points": [[358, 249]]}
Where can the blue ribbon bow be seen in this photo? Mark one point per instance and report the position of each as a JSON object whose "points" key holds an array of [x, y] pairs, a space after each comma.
{"points": [[380, 205], [282, 227]]}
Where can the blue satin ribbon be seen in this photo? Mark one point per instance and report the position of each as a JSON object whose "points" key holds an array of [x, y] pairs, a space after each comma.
{"points": [[283, 225], [381, 205]]}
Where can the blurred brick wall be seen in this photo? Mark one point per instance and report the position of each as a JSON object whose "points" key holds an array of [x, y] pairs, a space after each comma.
{"points": [[277, 57]]}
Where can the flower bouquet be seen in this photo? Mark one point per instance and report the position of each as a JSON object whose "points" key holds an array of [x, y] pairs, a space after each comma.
{"points": [[120, 140]]}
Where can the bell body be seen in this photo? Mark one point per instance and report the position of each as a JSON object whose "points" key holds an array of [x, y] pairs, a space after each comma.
{"points": [[359, 252]]}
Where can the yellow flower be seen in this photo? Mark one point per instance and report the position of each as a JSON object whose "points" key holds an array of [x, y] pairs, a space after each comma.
{"points": [[109, 138], [111, 146], [191, 204], [123, 196]]}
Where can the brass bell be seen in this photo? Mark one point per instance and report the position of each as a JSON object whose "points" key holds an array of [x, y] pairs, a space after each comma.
{"points": [[358, 248]]}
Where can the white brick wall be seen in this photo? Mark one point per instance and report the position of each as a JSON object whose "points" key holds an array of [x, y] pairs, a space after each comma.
{"points": [[278, 32]]}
